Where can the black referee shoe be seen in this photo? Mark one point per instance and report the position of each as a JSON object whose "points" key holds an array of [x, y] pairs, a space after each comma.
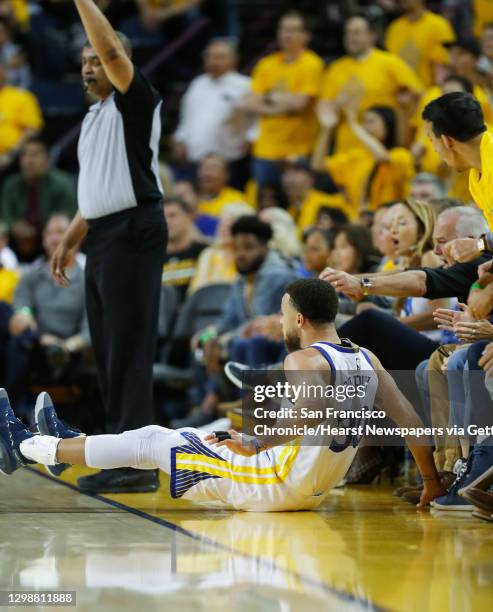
{"points": [[120, 480]]}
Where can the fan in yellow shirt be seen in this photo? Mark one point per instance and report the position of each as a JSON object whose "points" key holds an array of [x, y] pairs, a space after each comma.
{"points": [[417, 38], [455, 125], [20, 10], [285, 86], [483, 14], [369, 75], [425, 156], [372, 173], [20, 115], [303, 200], [9, 279]]}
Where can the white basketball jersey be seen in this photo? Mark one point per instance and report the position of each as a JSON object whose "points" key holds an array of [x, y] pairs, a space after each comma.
{"points": [[319, 467], [294, 476]]}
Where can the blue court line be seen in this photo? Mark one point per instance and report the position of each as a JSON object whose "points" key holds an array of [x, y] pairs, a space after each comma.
{"points": [[347, 597]]}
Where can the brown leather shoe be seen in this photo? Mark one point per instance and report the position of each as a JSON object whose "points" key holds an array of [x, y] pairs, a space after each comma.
{"points": [[481, 499], [403, 490], [412, 496]]}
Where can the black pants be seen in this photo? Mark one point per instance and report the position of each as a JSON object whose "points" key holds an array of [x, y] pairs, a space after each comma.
{"points": [[125, 255], [398, 346]]}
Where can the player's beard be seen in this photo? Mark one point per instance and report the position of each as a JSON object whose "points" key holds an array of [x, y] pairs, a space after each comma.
{"points": [[292, 342]]}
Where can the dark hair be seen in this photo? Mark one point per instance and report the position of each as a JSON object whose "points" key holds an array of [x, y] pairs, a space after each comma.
{"points": [[37, 140], [6, 22], [278, 193], [456, 114], [249, 224], [217, 157], [178, 202], [337, 215], [315, 299], [387, 115], [360, 238], [327, 235], [466, 84], [127, 45]]}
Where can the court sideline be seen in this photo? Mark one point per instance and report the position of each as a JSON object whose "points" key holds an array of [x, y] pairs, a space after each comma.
{"points": [[363, 550]]}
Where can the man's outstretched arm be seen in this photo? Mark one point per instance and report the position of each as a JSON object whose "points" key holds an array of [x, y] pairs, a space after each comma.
{"points": [[105, 42], [409, 283]]}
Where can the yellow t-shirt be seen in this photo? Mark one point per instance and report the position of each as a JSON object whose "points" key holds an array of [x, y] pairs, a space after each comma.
{"points": [[419, 43], [21, 12], [376, 78], [352, 172], [483, 14], [19, 110], [214, 206], [481, 183], [306, 216], [8, 283], [292, 133]]}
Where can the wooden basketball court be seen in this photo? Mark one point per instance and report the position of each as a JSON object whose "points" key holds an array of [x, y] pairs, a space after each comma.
{"points": [[365, 550]]}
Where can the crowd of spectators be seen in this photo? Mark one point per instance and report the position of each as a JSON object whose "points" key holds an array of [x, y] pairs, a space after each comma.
{"points": [[296, 164]]}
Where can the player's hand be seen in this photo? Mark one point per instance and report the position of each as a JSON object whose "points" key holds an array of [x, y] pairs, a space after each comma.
{"points": [[462, 249], [59, 262], [343, 282], [431, 490], [236, 445]]}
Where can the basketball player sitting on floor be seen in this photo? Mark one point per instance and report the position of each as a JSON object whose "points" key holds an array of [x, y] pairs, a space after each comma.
{"points": [[262, 474]]}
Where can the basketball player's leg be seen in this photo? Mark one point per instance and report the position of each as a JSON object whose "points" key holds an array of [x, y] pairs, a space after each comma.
{"points": [[146, 448]]}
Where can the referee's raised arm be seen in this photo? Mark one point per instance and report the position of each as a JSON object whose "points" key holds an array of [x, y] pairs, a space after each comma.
{"points": [[108, 47], [121, 221]]}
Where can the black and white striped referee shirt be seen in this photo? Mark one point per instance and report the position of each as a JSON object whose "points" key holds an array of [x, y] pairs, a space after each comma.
{"points": [[118, 151]]}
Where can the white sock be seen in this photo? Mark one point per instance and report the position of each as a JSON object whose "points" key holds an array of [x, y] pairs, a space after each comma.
{"points": [[41, 449]]}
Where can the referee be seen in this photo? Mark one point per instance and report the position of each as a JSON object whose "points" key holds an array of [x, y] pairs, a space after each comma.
{"points": [[121, 218]]}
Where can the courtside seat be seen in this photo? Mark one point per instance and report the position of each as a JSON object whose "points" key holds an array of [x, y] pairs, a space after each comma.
{"points": [[200, 310], [168, 310]]}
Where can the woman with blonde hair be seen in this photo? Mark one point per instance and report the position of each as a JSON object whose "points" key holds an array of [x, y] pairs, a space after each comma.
{"points": [[411, 228], [412, 329], [285, 240], [216, 263]]}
